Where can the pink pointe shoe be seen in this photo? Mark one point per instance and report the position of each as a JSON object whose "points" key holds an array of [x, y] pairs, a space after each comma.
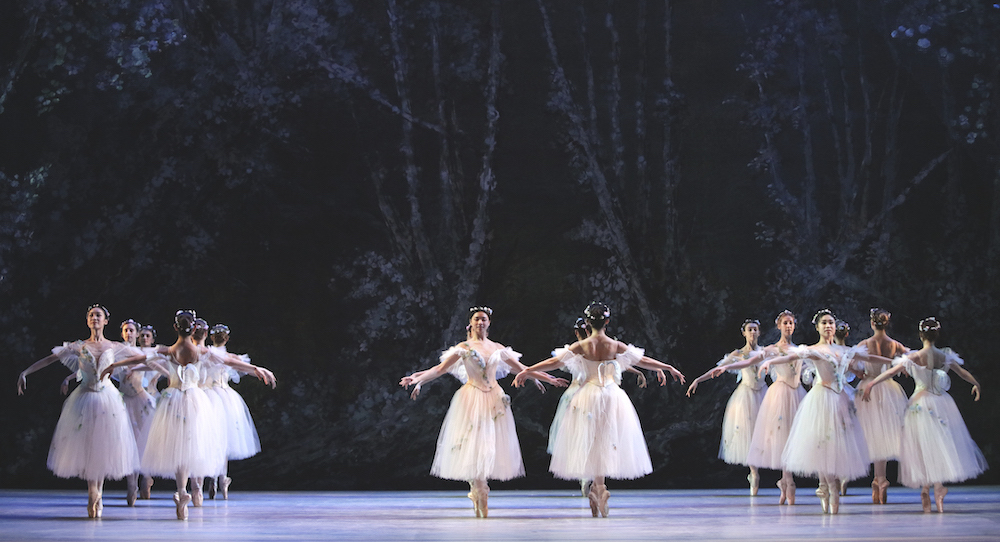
{"points": [[182, 501]]}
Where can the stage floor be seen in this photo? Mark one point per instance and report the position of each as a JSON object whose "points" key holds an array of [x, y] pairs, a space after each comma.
{"points": [[971, 513]]}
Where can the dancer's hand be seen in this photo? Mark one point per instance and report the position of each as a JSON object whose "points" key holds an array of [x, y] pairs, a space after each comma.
{"points": [[691, 388], [717, 371], [106, 372], [64, 387], [22, 383], [678, 376], [265, 376], [867, 394], [520, 377], [762, 370], [640, 379], [415, 392], [975, 391]]}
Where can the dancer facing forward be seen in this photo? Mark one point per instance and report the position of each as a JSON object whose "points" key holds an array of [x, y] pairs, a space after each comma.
{"points": [[599, 436], [182, 438], [93, 439], [478, 440], [826, 440], [741, 410], [881, 417], [936, 447]]}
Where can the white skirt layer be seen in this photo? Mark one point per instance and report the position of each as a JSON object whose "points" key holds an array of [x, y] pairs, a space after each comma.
{"points": [[93, 439], [826, 438], [140, 408], [936, 446], [221, 422], [600, 435], [774, 422], [561, 408], [243, 441], [478, 440], [183, 436], [881, 419], [738, 424]]}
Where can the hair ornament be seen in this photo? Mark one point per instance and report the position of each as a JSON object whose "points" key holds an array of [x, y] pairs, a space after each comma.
{"points": [[929, 324], [749, 321], [821, 313], [148, 328], [219, 328], [843, 328], [104, 309], [185, 314], [200, 323], [597, 311], [879, 317], [474, 310]]}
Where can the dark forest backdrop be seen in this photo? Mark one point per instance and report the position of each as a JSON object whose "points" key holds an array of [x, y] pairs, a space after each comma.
{"points": [[338, 180]]}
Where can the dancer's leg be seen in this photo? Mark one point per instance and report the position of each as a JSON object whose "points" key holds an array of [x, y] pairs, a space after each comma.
{"points": [[754, 479], [182, 498], [925, 498], [939, 492], [132, 491], [147, 487], [196, 493], [94, 505]]}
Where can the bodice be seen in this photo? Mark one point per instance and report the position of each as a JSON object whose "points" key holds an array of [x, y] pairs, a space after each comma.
{"points": [[935, 381], [600, 373], [184, 377], [830, 365], [79, 357], [475, 370], [746, 376]]}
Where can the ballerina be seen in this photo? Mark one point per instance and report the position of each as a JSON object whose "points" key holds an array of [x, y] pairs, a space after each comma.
{"points": [[140, 407], [242, 441], [778, 408], [741, 410], [478, 440], [881, 418], [826, 440], [182, 438], [147, 339], [935, 447], [599, 436], [93, 439], [207, 376]]}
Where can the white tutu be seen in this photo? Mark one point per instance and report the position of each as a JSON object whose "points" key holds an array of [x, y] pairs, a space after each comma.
{"points": [[561, 408], [242, 440], [478, 440], [140, 408], [600, 434], [93, 439], [774, 422], [936, 447], [184, 434], [741, 415], [881, 419], [826, 438]]}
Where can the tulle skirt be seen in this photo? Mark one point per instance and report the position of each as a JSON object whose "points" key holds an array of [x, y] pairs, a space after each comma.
{"points": [[243, 441], [881, 419], [140, 408], [93, 439], [478, 440], [826, 438], [936, 446], [183, 436], [220, 419], [738, 424], [600, 435], [774, 422], [567, 396]]}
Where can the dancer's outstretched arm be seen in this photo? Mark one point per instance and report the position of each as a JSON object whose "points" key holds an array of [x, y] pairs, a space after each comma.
{"points": [[967, 376], [427, 375], [22, 379], [134, 360], [537, 376], [537, 369], [788, 358], [649, 363]]}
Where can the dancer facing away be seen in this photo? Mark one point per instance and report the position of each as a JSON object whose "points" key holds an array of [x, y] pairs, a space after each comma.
{"points": [[826, 440], [582, 331], [242, 441], [935, 447], [207, 370], [777, 410], [93, 439], [881, 417], [741, 410], [182, 440], [599, 436], [478, 441]]}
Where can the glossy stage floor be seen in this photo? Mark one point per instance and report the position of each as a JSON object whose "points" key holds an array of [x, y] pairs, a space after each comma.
{"points": [[971, 513]]}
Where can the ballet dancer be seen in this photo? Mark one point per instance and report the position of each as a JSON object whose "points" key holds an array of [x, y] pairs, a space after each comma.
{"points": [[478, 440], [935, 446], [599, 435], [741, 410], [93, 439]]}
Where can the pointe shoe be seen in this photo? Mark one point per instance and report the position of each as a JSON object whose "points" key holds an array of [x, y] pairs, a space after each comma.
{"points": [[95, 505], [585, 487], [182, 501], [925, 499], [876, 492], [754, 484], [790, 493], [602, 503], [843, 488], [484, 508], [210, 482], [824, 498], [783, 497], [147, 489], [224, 487], [599, 501], [131, 496], [834, 502], [197, 497], [939, 498], [883, 493], [594, 506], [474, 497]]}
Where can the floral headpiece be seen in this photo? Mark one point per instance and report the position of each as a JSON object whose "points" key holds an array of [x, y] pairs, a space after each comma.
{"points": [[782, 314], [843, 328], [185, 312], [597, 311], [929, 324], [748, 321], [148, 328], [200, 323], [219, 328], [821, 313], [474, 310], [880, 317], [131, 321]]}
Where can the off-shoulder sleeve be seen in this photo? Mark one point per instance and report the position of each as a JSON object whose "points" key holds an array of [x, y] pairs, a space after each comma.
{"points": [[507, 353], [850, 359], [457, 369], [631, 356], [951, 358], [69, 354]]}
